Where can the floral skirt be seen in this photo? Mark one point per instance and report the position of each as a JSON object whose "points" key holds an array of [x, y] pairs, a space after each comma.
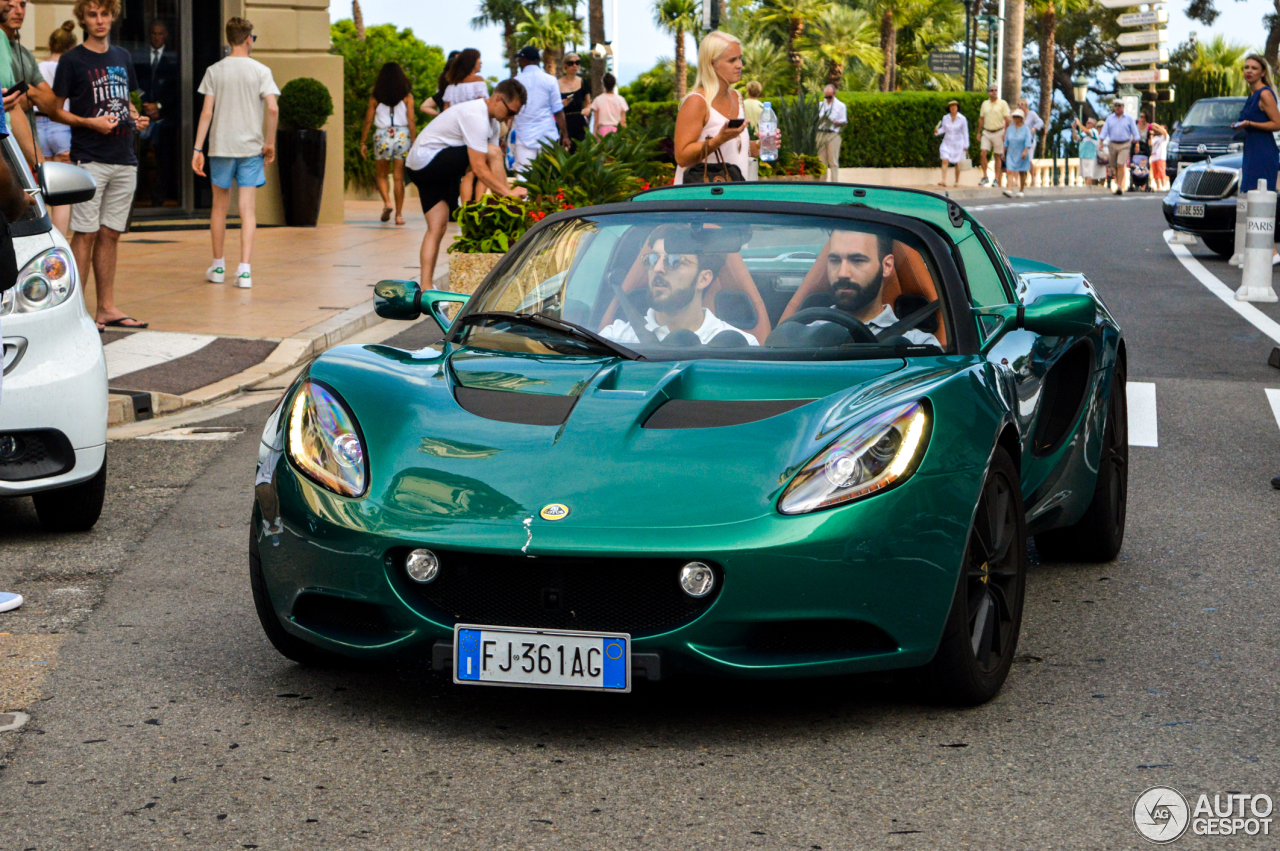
{"points": [[391, 143]]}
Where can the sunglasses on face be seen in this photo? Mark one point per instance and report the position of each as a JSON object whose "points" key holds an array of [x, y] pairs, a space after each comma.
{"points": [[669, 261], [571, 62]]}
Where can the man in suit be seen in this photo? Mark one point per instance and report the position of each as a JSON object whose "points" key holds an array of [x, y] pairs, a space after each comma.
{"points": [[159, 76]]}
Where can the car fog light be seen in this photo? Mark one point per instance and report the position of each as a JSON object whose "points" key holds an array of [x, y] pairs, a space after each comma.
{"points": [[422, 566], [697, 579], [11, 448]]}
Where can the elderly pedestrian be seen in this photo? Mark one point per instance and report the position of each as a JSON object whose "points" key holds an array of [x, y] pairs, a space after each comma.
{"points": [[391, 110], [954, 130], [237, 91], [542, 118], [1086, 138], [833, 115], [753, 106], [1119, 133], [1018, 141], [464, 136], [993, 118], [1034, 123], [610, 109], [97, 78], [575, 97]]}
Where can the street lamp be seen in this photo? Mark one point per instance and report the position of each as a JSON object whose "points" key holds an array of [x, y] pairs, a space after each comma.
{"points": [[1080, 90]]}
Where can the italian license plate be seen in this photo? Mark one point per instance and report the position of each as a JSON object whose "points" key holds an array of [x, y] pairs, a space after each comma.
{"points": [[541, 658], [1191, 211]]}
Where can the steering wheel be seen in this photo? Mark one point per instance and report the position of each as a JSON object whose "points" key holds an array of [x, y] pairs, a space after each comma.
{"points": [[857, 329]]}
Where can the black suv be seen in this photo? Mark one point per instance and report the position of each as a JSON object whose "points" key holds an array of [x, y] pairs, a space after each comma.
{"points": [[1206, 132]]}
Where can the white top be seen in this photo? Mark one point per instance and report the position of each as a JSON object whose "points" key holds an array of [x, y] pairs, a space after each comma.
{"points": [[1157, 147], [384, 117], [886, 318], [465, 124], [622, 332], [736, 152], [836, 115], [48, 69], [1033, 121], [463, 92], [239, 86], [536, 120]]}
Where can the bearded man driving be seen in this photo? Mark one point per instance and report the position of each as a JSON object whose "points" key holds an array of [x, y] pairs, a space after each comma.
{"points": [[677, 284]]}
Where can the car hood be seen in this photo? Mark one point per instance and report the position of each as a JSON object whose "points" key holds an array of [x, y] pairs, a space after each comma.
{"points": [[1228, 162], [636, 444]]}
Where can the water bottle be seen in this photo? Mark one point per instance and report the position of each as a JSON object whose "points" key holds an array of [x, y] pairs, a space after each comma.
{"points": [[768, 134]]}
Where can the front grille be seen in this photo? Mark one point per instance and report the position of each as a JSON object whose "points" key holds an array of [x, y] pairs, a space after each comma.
{"points": [[631, 595], [34, 454], [341, 618], [820, 637], [1208, 184]]}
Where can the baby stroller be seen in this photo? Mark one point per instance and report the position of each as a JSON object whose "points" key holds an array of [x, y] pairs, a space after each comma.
{"points": [[1140, 173]]}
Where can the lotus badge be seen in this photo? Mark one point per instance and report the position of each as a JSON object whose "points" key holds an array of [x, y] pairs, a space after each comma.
{"points": [[554, 511]]}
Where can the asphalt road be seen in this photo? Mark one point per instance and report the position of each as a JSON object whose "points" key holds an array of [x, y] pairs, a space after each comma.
{"points": [[165, 719]]}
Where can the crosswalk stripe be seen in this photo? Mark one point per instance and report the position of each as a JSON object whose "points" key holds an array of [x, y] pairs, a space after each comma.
{"points": [[1273, 396], [1142, 413], [150, 348]]}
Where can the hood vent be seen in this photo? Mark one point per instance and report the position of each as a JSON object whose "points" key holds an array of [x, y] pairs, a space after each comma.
{"points": [[708, 413], [508, 407]]}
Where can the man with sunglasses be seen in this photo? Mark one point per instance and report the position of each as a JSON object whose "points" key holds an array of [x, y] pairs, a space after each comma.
{"points": [[463, 136], [542, 119], [677, 285]]}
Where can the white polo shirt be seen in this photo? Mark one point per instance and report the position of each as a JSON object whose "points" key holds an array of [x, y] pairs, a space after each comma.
{"points": [[465, 124], [834, 113]]}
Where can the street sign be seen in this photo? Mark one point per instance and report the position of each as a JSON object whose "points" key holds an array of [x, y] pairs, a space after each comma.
{"points": [[1143, 37], [1143, 19], [1162, 96], [1124, 4], [946, 62], [1158, 76], [1143, 57]]}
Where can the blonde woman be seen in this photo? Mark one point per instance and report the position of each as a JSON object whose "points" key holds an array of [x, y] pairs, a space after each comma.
{"points": [[711, 126]]}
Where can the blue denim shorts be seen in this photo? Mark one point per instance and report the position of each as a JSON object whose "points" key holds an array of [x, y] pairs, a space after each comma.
{"points": [[246, 171], [54, 138]]}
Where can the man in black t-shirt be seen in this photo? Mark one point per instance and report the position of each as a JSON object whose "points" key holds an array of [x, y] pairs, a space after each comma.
{"points": [[97, 78]]}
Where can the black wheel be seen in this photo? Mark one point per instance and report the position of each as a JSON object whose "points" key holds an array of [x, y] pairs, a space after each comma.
{"points": [[75, 508], [981, 634], [1224, 245], [289, 645], [1098, 535]]}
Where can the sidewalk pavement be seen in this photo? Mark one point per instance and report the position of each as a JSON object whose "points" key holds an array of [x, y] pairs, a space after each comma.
{"points": [[311, 289]]}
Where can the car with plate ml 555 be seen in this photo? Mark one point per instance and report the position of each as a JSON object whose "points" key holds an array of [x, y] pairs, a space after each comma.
{"points": [[835, 472]]}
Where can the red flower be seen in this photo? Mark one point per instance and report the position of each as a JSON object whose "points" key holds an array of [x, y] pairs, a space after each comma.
{"points": [[645, 185]]}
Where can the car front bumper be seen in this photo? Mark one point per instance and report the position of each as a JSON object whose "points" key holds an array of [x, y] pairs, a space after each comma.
{"points": [[1219, 216], [866, 586]]}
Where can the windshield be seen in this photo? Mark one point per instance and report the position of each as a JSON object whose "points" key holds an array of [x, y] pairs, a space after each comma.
{"points": [[1214, 113], [676, 285]]}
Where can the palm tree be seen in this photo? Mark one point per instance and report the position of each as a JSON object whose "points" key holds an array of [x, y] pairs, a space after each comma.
{"points": [[794, 15], [1014, 19], [761, 61], [1048, 12], [842, 34], [548, 32], [924, 26], [1224, 59], [678, 17], [506, 14], [595, 27]]}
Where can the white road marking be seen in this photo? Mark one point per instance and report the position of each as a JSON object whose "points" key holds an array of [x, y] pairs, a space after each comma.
{"points": [[195, 433], [1256, 317], [1142, 414], [1273, 396], [150, 348]]}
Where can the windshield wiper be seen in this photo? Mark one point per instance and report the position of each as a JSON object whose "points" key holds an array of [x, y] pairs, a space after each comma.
{"points": [[561, 326]]}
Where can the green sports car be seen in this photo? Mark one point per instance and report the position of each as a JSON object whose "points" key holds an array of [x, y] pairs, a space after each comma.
{"points": [[752, 430]]}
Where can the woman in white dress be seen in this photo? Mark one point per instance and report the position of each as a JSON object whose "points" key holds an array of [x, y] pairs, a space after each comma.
{"points": [[465, 82], [954, 130]]}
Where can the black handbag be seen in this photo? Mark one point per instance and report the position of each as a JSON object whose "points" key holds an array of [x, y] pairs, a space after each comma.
{"points": [[8, 260], [709, 172]]}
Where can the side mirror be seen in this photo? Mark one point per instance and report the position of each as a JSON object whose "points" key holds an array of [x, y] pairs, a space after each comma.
{"points": [[432, 300], [1060, 315], [397, 299], [64, 183]]}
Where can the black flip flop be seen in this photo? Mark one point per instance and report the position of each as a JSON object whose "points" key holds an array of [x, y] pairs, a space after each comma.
{"points": [[120, 323], [386, 214]]}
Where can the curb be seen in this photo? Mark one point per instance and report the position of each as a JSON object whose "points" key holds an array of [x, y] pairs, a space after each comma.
{"points": [[290, 352]]}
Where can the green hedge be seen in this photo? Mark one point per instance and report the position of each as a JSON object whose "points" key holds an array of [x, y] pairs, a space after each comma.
{"points": [[885, 130]]}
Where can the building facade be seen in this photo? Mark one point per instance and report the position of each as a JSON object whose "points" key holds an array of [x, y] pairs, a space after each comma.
{"points": [[173, 42]]}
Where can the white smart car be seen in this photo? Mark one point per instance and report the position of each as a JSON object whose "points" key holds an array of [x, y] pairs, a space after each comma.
{"points": [[53, 405]]}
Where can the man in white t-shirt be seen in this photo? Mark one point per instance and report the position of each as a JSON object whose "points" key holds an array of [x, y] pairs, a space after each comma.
{"points": [[458, 139], [542, 119], [237, 91], [677, 283], [833, 115]]}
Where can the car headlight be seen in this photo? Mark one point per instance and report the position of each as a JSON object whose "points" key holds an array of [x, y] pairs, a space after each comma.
{"points": [[872, 456], [324, 442], [1173, 148], [46, 281], [1235, 147]]}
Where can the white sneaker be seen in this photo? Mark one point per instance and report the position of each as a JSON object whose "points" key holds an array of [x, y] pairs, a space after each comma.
{"points": [[243, 281], [1008, 193], [1020, 194], [9, 601], [216, 274]]}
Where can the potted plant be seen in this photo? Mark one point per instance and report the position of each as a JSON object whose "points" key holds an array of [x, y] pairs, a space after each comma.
{"points": [[305, 106], [490, 226]]}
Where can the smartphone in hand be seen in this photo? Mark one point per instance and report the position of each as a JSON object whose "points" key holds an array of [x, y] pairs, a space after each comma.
{"points": [[735, 123]]}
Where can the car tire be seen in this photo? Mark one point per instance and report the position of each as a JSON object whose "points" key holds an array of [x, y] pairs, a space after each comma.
{"points": [[1099, 534], [75, 508], [981, 634], [288, 644], [1220, 244]]}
